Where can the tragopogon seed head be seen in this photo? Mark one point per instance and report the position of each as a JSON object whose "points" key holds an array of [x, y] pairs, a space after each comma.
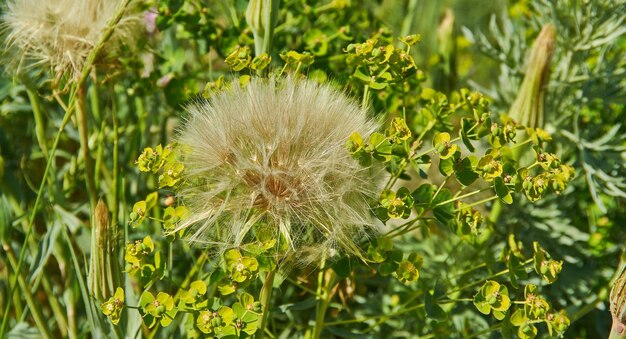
{"points": [[272, 155], [61, 33]]}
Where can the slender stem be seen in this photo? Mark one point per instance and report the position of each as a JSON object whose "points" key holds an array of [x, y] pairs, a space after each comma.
{"points": [[366, 89], [84, 143], [480, 202], [487, 330], [443, 183], [469, 270], [464, 196], [503, 272], [522, 143], [326, 279], [57, 311], [265, 298], [34, 307], [304, 288], [386, 316], [116, 171], [40, 132]]}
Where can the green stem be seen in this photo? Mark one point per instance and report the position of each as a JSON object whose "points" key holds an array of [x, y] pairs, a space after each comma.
{"points": [[57, 311], [495, 275], [271, 16], [469, 270], [407, 23], [263, 40], [386, 316], [116, 172], [325, 279], [265, 298], [34, 307], [366, 89], [463, 196], [40, 132], [522, 143], [480, 202], [302, 287], [84, 144], [487, 330]]}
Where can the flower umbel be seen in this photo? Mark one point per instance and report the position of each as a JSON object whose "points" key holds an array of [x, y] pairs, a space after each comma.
{"points": [[61, 33], [271, 157]]}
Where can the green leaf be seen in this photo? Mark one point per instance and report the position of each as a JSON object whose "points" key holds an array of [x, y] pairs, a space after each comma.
{"points": [[423, 194], [44, 250], [306, 304], [444, 213], [446, 166], [464, 131], [518, 318], [502, 191], [433, 310], [342, 267], [464, 170]]}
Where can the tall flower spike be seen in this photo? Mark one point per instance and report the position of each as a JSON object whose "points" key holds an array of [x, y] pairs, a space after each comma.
{"points": [[271, 156], [61, 33]]}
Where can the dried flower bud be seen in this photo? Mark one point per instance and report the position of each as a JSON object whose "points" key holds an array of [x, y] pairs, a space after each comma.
{"points": [[104, 267], [527, 110], [618, 303]]}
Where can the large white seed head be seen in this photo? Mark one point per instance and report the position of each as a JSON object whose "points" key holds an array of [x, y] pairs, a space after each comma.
{"points": [[60, 34], [273, 153]]}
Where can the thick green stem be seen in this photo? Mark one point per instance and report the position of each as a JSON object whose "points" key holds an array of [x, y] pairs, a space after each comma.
{"points": [[326, 279], [266, 298], [407, 23], [262, 16]]}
